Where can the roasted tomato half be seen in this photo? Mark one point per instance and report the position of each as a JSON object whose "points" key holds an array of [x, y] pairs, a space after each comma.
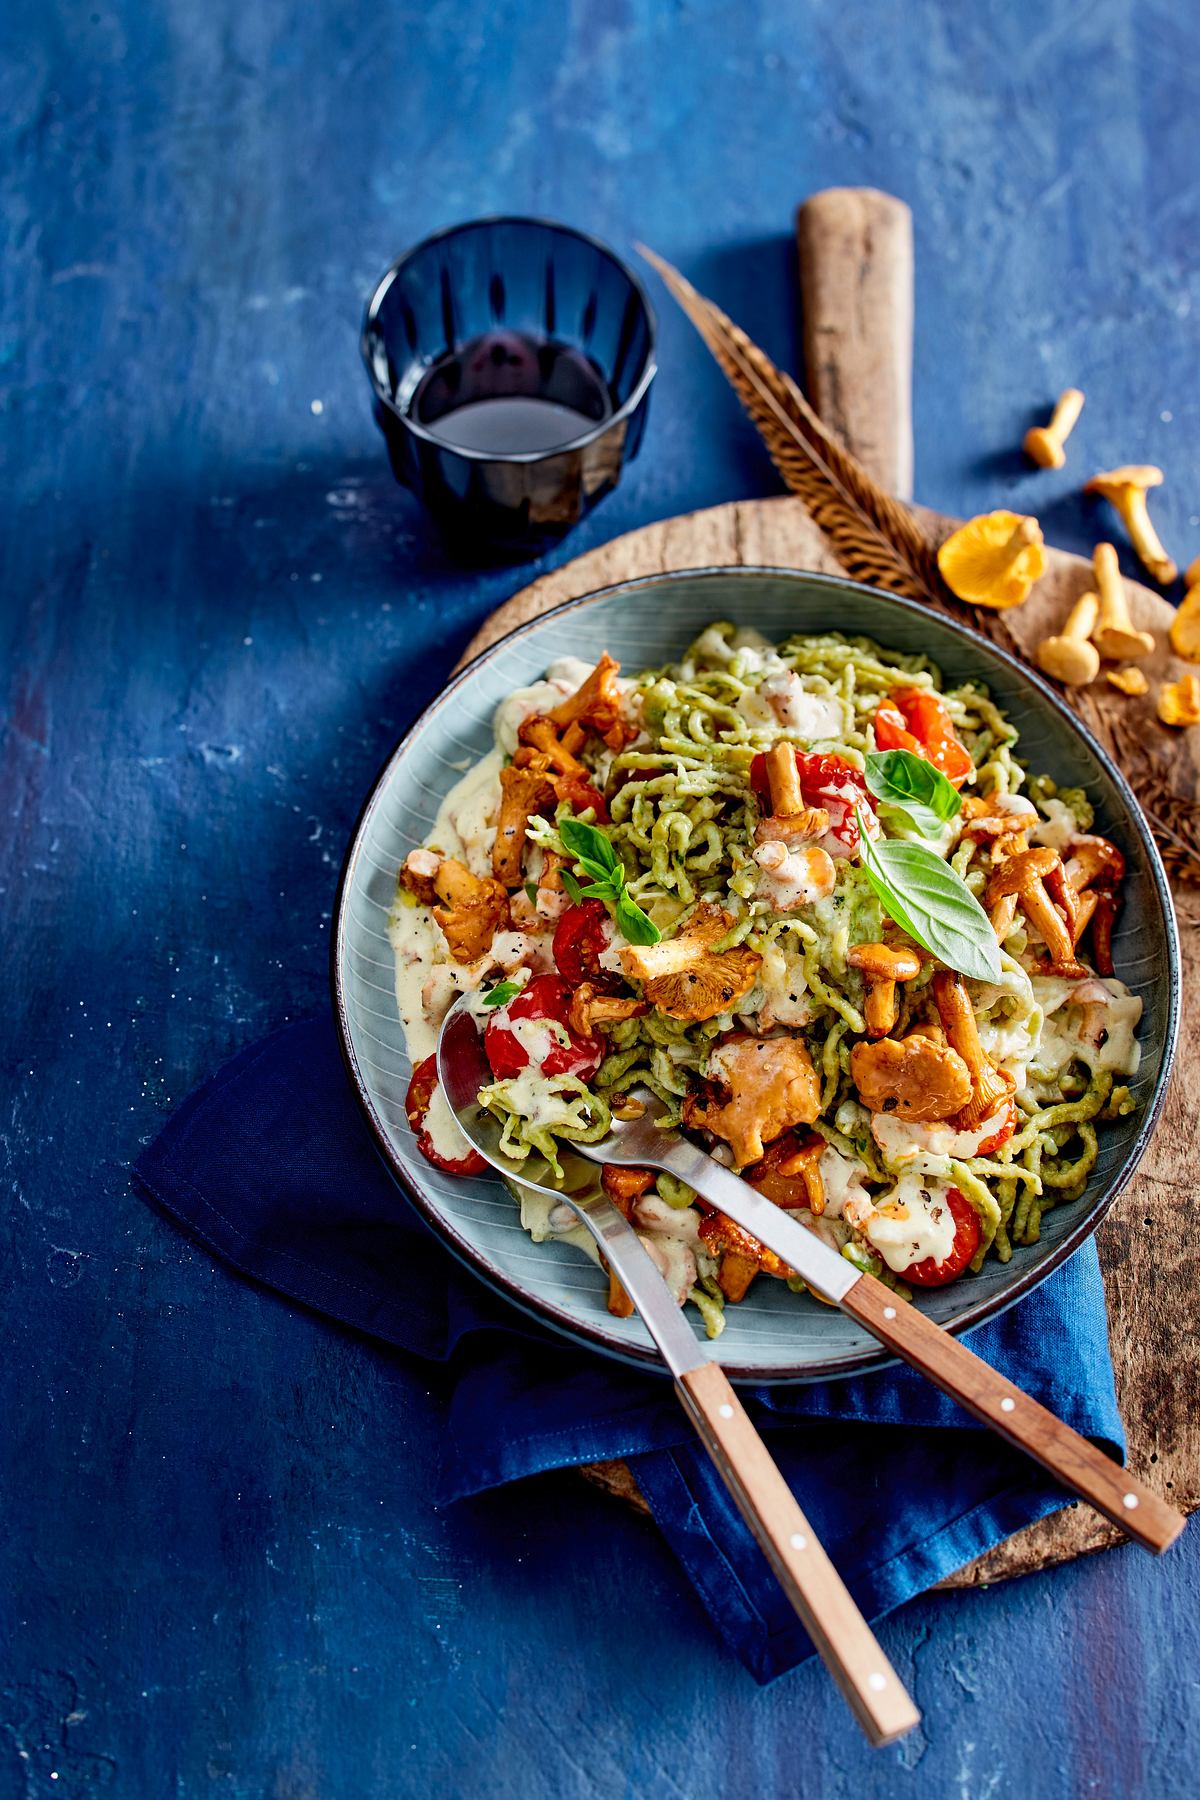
{"points": [[416, 1105], [544, 1000], [580, 938], [1002, 1133], [929, 1273], [826, 781], [914, 719]]}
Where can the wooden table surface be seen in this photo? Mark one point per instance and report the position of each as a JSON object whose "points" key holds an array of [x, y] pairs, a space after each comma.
{"points": [[223, 1570]]}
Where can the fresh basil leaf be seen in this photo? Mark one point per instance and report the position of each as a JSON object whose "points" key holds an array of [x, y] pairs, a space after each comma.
{"points": [[932, 903], [587, 843], [501, 994], [598, 890], [914, 787], [574, 891], [531, 891], [633, 923]]}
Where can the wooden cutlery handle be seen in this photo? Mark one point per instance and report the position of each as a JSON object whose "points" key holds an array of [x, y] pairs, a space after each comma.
{"points": [[845, 1641], [1078, 1464]]}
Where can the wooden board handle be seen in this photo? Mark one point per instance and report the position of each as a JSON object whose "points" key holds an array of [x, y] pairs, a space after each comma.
{"points": [[842, 1636], [1070, 1458], [856, 292]]}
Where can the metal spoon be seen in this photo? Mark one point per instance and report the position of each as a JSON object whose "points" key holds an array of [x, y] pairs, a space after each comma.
{"points": [[845, 1641], [909, 1333]]}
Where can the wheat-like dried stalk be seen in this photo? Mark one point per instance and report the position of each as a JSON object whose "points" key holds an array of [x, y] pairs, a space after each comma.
{"points": [[879, 540]]}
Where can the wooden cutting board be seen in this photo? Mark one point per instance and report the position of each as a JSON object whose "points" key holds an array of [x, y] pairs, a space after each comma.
{"points": [[1146, 1243]]}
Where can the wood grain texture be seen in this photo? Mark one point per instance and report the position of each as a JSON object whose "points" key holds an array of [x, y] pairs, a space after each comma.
{"points": [[847, 1645], [1125, 1501], [1151, 1272], [856, 317]]}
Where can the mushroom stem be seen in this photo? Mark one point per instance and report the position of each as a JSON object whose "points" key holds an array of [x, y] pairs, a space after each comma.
{"points": [[1027, 532], [1131, 504], [787, 800], [1040, 910], [1115, 635], [988, 1086], [1044, 443]]}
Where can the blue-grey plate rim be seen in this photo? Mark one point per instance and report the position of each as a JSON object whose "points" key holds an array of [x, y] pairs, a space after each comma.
{"points": [[844, 1365]]}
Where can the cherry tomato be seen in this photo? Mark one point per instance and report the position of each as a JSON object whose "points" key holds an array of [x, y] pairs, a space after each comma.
{"points": [[929, 1273], [830, 782], [579, 938], [579, 791], [914, 719], [416, 1105], [1001, 1135], [545, 997]]}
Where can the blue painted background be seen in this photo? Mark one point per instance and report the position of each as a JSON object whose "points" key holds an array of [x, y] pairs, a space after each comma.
{"points": [[222, 1570]]}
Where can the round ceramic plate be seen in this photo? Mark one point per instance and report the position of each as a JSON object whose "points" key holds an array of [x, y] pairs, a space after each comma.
{"points": [[773, 1335]]}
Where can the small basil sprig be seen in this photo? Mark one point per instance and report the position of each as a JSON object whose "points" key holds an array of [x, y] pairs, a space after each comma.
{"points": [[932, 903], [501, 994], [595, 855], [914, 787]]}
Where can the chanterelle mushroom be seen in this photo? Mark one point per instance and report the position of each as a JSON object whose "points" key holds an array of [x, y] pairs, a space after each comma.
{"points": [[1115, 635], [1070, 657], [591, 1007], [684, 977], [917, 1077], [597, 704], [989, 1085], [1095, 870], [771, 1085], [522, 792], [1125, 489], [1044, 443], [1025, 877], [993, 560], [473, 908], [881, 968], [1179, 701], [1184, 631]]}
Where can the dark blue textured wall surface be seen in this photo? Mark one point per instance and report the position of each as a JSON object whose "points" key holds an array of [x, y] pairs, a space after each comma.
{"points": [[222, 1570]]}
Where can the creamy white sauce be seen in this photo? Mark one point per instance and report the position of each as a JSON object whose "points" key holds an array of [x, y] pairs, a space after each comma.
{"points": [[781, 701], [537, 1037], [785, 992], [465, 826], [1093, 1020], [842, 1178], [907, 1223], [903, 1140], [793, 877], [1059, 826]]}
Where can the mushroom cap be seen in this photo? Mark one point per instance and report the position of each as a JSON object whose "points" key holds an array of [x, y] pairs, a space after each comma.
{"points": [[1179, 701], [1120, 643], [1092, 857], [1111, 482], [1019, 872], [1127, 681], [1070, 660], [1043, 448], [982, 563], [1185, 626], [686, 979], [914, 1078], [880, 962]]}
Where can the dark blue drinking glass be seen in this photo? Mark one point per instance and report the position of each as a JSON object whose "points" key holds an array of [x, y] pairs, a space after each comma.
{"points": [[530, 313]]}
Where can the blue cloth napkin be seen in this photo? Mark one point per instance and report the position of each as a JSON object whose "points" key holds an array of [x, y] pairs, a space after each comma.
{"points": [[271, 1167]]}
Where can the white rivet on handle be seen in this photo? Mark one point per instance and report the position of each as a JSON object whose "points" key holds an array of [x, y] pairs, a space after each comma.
{"points": [[1129, 1500], [725, 1410], [1007, 1405], [889, 1312], [798, 1541], [877, 1681]]}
